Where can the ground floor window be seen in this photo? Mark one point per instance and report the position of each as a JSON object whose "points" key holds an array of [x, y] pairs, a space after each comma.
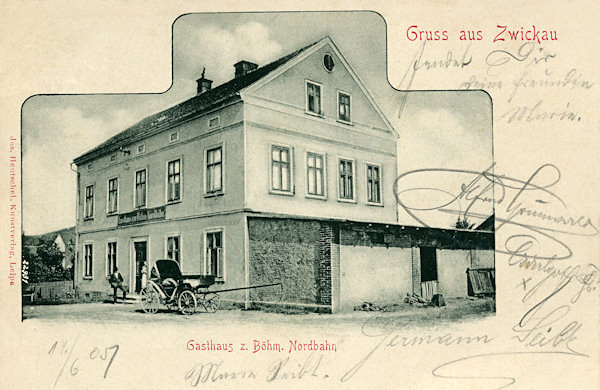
{"points": [[111, 257], [88, 260], [173, 248], [214, 253]]}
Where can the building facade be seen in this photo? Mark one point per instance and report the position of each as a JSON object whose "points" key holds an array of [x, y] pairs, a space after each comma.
{"points": [[254, 181]]}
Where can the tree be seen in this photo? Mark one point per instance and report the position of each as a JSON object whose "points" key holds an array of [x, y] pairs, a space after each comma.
{"points": [[463, 223], [46, 264]]}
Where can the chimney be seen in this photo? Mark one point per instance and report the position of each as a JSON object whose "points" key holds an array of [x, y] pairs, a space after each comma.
{"points": [[204, 84], [244, 67]]}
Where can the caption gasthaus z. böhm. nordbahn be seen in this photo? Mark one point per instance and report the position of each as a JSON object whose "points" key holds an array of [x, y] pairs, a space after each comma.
{"points": [[256, 346]]}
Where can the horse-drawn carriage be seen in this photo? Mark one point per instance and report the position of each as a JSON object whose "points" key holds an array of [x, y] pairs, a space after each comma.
{"points": [[167, 286]]}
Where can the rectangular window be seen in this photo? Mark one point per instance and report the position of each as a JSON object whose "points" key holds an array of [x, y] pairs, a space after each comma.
{"points": [[315, 174], [313, 98], [173, 248], [113, 158], [346, 184], [373, 184], [113, 194], [89, 202], [111, 257], [174, 136], [88, 258], [214, 122], [141, 148], [343, 107], [281, 169], [214, 170], [214, 254], [140, 188], [174, 181]]}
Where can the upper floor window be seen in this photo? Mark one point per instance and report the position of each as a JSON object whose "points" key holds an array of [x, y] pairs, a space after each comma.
{"points": [[214, 122], [373, 184], [140, 188], [174, 136], [89, 202], [88, 258], [113, 194], [214, 170], [343, 107], [111, 257], [141, 148], [346, 179], [328, 62], [315, 174], [314, 103], [113, 158], [281, 169], [173, 248], [174, 181], [214, 254]]}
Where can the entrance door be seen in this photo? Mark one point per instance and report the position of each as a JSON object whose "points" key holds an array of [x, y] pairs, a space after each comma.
{"points": [[140, 253], [429, 274]]}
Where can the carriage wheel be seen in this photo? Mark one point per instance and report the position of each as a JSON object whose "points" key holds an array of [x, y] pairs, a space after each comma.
{"points": [[150, 300], [187, 302], [211, 303]]}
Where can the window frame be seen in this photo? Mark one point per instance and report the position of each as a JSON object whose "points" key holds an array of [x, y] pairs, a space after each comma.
{"points": [[218, 118], [177, 137], [135, 196], [176, 235], [323, 157], [354, 180], [205, 270], [110, 212], [339, 119], [86, 216], [291, 191], [142, 146], [321, 94], [109, 269], [208, 149], [85, 267], [167, 177], [379, 166]]}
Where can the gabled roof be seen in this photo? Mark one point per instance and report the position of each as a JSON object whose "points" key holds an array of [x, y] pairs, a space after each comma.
{"points": [[314, 47], [488, 224], [194, 106]]}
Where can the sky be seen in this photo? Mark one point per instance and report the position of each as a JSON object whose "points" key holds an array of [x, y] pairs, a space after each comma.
{"points": [[437, 129]]}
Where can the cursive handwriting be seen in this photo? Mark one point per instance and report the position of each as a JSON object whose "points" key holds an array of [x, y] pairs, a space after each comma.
{"points": [[525, 54], [528, 204], [387, 329], [278, 370], [74, 357]]}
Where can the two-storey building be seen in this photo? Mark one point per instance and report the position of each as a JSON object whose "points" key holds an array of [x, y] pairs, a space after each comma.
{"points": [[253, 181]]}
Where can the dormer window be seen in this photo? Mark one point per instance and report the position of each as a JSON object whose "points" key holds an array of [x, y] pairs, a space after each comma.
{"points": [[314, 103]]}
